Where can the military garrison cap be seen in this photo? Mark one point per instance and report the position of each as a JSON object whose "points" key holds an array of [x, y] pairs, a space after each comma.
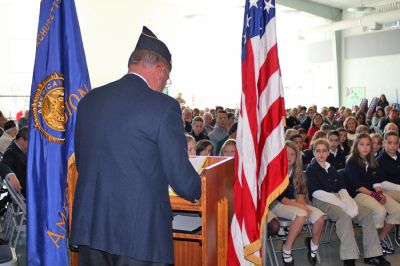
{"points": [[149, 41]]}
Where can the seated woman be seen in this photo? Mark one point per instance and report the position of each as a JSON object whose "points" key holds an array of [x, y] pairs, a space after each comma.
{"points": [[316, 123], [328, 193], [350, 125], [378, 116], [360, 180], [292, 205]]}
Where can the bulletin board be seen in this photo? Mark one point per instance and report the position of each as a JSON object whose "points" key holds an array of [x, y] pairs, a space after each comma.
{"points": [[353, 96]]}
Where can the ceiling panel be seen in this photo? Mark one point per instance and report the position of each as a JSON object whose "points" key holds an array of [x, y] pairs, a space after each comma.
{"points": [[343, 4]]}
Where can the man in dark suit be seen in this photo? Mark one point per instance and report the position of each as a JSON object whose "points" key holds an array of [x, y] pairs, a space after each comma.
{"points": [[122, 213], [14, 163]]}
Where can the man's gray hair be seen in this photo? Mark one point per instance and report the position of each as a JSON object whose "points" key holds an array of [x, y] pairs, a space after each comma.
{"points": [[146, 57]]}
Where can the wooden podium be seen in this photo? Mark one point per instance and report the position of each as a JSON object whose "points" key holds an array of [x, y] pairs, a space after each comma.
{"points": [[215, 207]]}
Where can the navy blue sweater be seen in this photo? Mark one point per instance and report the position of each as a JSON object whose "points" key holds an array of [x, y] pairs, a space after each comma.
{"points": [[289, 191], [338, 161], [389, 168], [319, 179], [308, 156], [357, 176]]}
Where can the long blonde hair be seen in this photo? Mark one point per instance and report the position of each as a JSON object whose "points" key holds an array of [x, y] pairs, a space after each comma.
{"points": [[299, 179]]}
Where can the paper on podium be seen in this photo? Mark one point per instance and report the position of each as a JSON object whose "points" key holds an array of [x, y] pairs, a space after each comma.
{"points": [[186, 224], [198, 164]]}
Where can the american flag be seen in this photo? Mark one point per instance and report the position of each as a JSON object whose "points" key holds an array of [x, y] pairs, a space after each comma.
{"points": [[261, 164]]}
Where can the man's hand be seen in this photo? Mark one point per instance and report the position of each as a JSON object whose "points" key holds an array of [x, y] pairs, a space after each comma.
{"points": [[15, 182]]}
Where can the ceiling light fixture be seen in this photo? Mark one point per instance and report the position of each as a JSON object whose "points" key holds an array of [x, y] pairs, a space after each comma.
{"points": [[361, 8]]}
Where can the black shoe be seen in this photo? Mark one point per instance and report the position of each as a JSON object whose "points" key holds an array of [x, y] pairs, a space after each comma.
{"points": [[397, 235], [3, 211], [380, 260], [286, 256], [311, 260], [349, 262], [386, 249]]}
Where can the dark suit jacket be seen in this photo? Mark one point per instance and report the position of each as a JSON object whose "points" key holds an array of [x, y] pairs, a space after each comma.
{"points": [[129, 145], [15, 161]]}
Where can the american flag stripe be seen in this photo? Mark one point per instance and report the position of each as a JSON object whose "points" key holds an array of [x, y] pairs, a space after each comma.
{"points": [[261, 164], [274, 184], [250, 92], [268, 40], [270, 66], [271, 151], [269, 95], [248, 156]]}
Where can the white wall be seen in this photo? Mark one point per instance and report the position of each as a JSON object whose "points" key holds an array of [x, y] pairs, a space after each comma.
{"points": [[205, 48], [17, 46], [378, 74], [308, 63]]}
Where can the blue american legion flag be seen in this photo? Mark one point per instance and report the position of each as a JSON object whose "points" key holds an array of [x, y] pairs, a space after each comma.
{"points": [[60, 80], [260, 163]]}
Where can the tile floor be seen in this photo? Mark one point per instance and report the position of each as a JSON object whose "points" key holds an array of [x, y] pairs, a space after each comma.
{"points": [[329, 252]]}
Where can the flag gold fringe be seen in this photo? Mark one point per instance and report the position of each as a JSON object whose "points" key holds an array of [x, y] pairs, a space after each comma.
{"points": [[252, 248], [72, 177]]}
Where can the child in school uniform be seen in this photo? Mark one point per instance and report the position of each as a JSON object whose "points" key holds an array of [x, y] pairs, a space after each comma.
{"points": [[336, 156], [308, 154], [328, 193], [293, 205], [191, 142], [344, 143], [376, 144], [360, 179], [389, 170]]}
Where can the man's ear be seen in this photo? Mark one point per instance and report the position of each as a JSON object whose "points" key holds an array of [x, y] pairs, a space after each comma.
{"points": [[159, 70]]}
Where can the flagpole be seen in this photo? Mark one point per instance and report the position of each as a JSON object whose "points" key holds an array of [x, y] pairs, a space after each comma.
{"points": [[265, 246]]}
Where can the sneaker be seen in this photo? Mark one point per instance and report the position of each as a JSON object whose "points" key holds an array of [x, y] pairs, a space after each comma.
{"points": [[286, 256], [380, 260], [386, 249], [349, 262], [397, 235], [311, 259]]}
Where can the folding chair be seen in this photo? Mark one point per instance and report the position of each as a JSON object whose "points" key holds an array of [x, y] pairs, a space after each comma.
{"points": [[329, 225], [15, 218], [284, 223], [7, 256]]}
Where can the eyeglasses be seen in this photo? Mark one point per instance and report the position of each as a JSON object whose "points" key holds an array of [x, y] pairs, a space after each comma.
{"points": [[169, 82]]}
